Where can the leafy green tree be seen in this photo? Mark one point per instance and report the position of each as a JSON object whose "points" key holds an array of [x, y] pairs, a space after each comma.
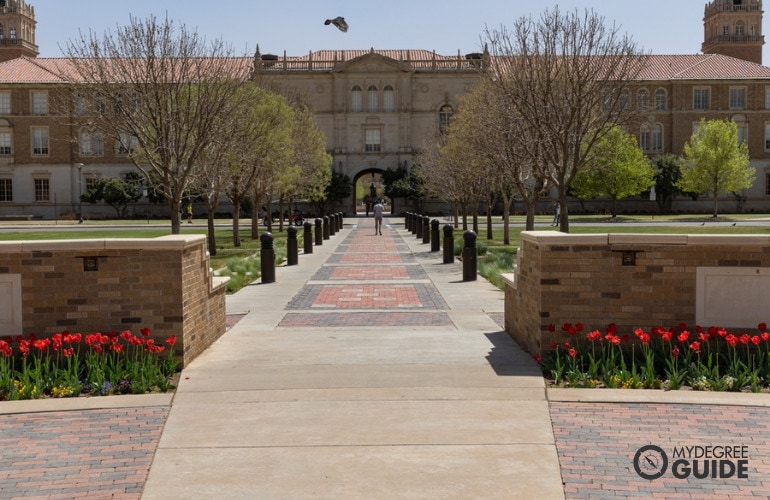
{"points": [[668, 171], [117, 192], [717, 163], [340, 187], [401, 183], [617, 168]]}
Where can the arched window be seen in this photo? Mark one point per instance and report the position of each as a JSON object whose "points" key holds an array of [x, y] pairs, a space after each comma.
{"points": [[644, 138], [444, 117], [371, 99], [660, 100], [388, 99], [657, 138], [355, 100], [642, 99]]}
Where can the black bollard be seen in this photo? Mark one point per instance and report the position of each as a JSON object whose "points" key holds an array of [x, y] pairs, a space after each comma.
{"points": [[408, 222], [435, 243], [449, 244], [418, 227], [267, 258], [339, 221], [332, 225], [412, 218], [426, 229], [319, 235], [469, 256], [292, 250], [308, 237], [326, 227]]}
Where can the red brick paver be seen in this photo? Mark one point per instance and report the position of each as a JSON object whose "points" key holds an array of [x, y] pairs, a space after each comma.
{"points": [[597, 442], [78, 454]]}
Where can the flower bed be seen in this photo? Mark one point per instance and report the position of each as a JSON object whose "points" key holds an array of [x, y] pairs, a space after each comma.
{"points": [[73, 364], [711, 359]]}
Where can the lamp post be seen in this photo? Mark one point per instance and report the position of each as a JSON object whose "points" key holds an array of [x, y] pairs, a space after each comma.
{"points": [[80, 193]]}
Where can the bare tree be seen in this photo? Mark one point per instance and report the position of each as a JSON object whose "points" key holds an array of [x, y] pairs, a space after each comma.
{"points": [[161, 91], [566, 77]]}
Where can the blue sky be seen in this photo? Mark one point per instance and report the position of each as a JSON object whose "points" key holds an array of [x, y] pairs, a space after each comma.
{"points": [[296, 26]]}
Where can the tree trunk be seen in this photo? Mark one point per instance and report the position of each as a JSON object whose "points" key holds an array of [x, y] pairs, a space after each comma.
{"points": [[564, 212], [236, 222], [176, 216], [212, 235], [716, 203], [490, 234]]}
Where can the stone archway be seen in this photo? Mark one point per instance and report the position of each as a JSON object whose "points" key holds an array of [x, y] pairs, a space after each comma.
{"points": [[367, 186]]}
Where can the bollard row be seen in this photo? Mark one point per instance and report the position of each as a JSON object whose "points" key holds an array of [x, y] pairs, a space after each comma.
{"points": [[324, 228]]}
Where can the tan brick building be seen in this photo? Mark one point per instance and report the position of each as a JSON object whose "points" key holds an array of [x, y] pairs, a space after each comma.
{"points": [[377, 108]]}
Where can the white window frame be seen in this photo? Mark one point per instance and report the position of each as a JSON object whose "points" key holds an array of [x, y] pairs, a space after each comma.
{"points": [[388, 99], [656, 138], [6, 143], [372, 140], [642, 99], [42, 189], [126, 144], [40, 141], [699, 95], [91, 143], [356, 98], [6, 189], [39, 102], [5, 103], [661, 100], [737, 97]]}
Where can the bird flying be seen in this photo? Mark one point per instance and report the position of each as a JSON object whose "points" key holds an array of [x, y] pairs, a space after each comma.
{"points": [[339, 22]]}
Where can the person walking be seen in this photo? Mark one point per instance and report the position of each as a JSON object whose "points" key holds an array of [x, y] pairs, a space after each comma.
{"points": [[556, 213], [189, 213], [378, 208]]}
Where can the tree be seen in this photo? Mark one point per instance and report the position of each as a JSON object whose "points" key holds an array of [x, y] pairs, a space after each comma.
{"points": [[401, 183], [116, 192], [566, 78], [310, 156], [340, 187], [668, 171], [160, 91], [716, 162], [617, 168]]}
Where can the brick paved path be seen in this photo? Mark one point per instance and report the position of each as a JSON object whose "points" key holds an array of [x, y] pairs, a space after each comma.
{"points": [[78, 454], [597, 443], [366, 278]]}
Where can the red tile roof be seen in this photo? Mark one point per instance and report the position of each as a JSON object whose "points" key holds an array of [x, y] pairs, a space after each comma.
{"points": [[660, 67]]}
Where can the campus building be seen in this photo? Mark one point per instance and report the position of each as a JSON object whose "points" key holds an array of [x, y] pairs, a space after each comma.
{"points": [[377, 108]]}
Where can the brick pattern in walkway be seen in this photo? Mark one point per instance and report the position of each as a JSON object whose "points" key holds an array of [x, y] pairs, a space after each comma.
{"points": [[366, 278], [78, 454], [597, 442]]}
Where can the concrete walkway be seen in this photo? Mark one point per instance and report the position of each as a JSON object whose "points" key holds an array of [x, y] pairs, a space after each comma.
{"points": [[370, 370]]}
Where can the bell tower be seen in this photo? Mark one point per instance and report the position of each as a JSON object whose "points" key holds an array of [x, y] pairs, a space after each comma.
{"points": [[734, 28], [17, 30]]}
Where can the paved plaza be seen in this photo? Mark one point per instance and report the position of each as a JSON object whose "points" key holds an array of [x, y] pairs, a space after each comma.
{"points": [[371, 370]]}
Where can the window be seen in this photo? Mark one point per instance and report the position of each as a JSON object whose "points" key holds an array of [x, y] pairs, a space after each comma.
{"points": [[660, 100], [642, 99], [81, 104], [725, 30], [42, 189], [100, 104], [39, 141], [701, 98], [13, 33], [738, 98], [372, 137], [5, 143], [625, 100], [91, 143], [444, 117], [739, 29], [388, 99], [5, 103], [355, 100], [126, 144], [767, 184], [39, 103], [6, 189], [657, 138], [371, 99], [644, 138], [2, 32], [92, 182]]}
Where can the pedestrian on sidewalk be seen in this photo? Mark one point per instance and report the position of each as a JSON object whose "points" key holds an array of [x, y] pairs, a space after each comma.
{"points": [[556, 213], [378, 208]]}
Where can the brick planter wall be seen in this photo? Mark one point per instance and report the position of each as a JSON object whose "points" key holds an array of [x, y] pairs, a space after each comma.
{"points": [[631, 280], [164, 284]]}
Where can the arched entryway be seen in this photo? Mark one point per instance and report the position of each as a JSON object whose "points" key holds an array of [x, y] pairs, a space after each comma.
{"points": [[368, 187]]}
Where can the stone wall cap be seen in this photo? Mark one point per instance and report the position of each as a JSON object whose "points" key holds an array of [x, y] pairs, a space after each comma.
{"points": [[728, 239], [644, 239], [558, 238]]}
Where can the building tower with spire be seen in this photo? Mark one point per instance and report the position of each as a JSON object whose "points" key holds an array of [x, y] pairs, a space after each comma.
{"points": [[734, 28], [17, 30]]}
